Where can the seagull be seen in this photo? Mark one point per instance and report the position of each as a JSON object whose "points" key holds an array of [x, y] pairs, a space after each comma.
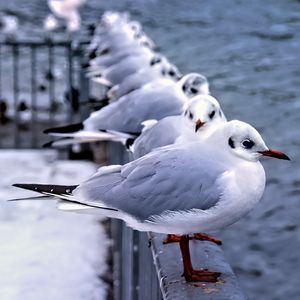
{"points": [[178, 189], [108, 59], [63, 8], [159, 67], [50, 23], [150, 102], [66, 10], [116, 73], [201, 116], [121, 33], [8, 24]]}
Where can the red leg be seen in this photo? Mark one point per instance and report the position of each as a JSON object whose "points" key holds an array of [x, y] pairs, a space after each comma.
{"points": [[173, 238], [206, 237], [189, 273]]}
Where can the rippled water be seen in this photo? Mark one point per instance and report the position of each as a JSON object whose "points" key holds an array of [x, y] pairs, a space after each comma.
{"points": [[249, 50]]}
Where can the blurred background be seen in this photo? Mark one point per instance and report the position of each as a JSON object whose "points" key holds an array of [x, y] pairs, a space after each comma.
{"points": [[249, 51]]}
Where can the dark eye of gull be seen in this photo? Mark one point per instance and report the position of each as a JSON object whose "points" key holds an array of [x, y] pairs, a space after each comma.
{"points": [[212, 114], [248, 144], [171, 73], [191, 116], [194, 91]]}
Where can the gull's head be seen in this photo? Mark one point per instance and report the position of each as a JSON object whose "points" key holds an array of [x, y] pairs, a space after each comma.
{"points": [[194, 84], [166, 69], [144, 41], [203, 112], [244, 141], [135, 26]]}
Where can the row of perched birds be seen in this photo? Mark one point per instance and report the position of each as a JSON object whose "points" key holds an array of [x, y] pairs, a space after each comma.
{"points": [[193, 171]]}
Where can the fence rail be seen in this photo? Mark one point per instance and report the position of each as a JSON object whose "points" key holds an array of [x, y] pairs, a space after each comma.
{"points": [[40, 87]]}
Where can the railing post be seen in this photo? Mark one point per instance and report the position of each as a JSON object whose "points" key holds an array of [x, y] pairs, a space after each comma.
{"points": [[51, 80], [84, 83], [33, 96], [15, 51], [70, 78]]}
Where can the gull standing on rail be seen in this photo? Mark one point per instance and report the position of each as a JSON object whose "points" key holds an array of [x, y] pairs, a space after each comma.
{"points": [[201, 117], [178, 189], [162, 99], [159, 67]]}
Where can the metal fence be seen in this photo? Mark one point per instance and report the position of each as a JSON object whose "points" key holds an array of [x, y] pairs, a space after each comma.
{"points": [[41, 84]]}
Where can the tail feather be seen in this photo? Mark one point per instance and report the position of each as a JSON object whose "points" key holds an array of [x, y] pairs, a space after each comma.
{"points": [[63, 192], [65, 141], [29, 198], [72, 128], [82, 137]]}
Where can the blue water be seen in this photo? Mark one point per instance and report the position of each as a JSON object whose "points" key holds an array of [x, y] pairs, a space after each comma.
{"points": [[250, 52]]}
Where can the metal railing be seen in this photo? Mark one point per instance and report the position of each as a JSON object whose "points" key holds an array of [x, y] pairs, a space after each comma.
{"points": [[41, 83]]}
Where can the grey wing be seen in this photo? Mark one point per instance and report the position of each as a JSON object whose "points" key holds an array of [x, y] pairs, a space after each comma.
{"points": [[117, 74], [131, 110], [126, 68], [163, 133], [134, 82], [164, 180]]}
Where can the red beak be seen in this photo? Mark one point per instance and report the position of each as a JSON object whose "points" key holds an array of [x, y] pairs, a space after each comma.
{"points": [[275, 154], [199, 124]]}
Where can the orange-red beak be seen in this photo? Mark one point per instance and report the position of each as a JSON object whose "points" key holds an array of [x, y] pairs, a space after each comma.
{"points": [[275, 154], [199, 124]]}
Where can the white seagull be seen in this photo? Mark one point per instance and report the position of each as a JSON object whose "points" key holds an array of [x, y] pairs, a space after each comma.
{"points": [[8, 24], [178, 189], [66, 10], [159, 67], [149, 102], [116, 73], [201, 117], [108, 59]]}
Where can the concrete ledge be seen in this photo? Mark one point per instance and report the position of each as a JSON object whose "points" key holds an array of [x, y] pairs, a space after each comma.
{"points": [[167, 259]]}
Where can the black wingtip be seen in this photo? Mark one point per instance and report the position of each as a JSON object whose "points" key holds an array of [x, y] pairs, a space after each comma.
{"points": [[25, 186], [48, 144], [129, 142], [65, 129], [47, 188]]}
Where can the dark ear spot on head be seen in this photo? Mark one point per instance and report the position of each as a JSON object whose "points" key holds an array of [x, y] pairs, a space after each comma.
{"points": [[231, 143], [155, 60]]}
